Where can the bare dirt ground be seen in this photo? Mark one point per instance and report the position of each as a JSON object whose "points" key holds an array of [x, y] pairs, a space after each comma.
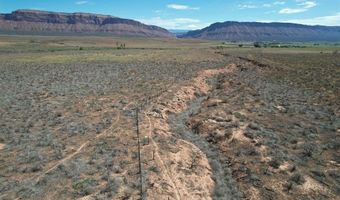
{"points": [[221, 124], [186, 165]]}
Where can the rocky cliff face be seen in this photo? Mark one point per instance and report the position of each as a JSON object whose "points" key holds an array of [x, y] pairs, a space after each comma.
{"points": [[33, 21], [254, 31]]}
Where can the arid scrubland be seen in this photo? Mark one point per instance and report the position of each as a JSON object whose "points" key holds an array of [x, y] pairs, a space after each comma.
{"points": [[230, 123]]}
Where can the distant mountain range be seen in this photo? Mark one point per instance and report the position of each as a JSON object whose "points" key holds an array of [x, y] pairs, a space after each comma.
{"points": [[43, 22], [255, 31]]}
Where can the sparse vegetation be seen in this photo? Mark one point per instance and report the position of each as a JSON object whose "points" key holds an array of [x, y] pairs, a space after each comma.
{"points": [[67, 117], [52, 103], [282, 115]]}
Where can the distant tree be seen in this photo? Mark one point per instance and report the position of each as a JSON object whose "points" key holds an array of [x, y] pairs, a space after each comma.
{"points": [[120, 45], [240, 45], [257, 44]]}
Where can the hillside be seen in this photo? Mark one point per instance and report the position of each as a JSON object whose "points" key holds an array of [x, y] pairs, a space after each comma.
{"points": [[254, 31], [43, 22]]}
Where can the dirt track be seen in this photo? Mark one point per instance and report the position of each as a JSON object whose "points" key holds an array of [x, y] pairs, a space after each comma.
{"points": [[81, 147], [183, 158]]}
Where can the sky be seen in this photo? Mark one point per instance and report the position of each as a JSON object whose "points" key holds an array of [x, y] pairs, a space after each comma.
{"points": [[194, 14]]}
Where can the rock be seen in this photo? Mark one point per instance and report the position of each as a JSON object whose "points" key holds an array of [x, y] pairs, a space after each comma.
{"points": [[281, 109]]}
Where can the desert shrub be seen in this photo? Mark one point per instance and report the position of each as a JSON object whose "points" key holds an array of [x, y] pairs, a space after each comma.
{"points": [[309, 150], [113, 185], [267, 194], [28, 190], [249, 150], [154, 169], [333, 144], [275, 163], [75, 168], [297, 178], [254, 126], [117, 169], [46, 139], [219, 192], [77, 128], [318, 174], [249, 134], [288, 186], [84, 187], [29, 156], [240, 116], [127, 193], [334, 174], [81, 48], [240, 45], [35, 167]]}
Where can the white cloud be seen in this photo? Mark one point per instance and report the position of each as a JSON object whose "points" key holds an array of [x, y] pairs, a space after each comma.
{"points": [[247, 6], [251, 5], [331, 20], [176, 23], [81, 2], [292, 10], [192, 26], [157, 11], [279, 3], [182, 7], [308, 4], [303, 7]]}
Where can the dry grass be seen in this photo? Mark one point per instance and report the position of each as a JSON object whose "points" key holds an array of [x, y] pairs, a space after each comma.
{"points": [[60, 108]]}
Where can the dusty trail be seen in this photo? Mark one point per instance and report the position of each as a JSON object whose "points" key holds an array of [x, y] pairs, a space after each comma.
{"points": [[2, 146], [81, 147], [224, 188], [161, 162], [186, 183]]}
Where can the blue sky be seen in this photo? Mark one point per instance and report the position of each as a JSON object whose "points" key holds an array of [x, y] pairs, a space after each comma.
{"points": [[194, 14]]}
